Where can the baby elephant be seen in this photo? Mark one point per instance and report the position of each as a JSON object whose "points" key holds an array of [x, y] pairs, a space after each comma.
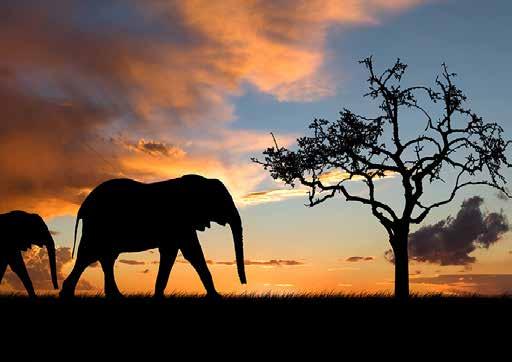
{"points": [[18, 231]]}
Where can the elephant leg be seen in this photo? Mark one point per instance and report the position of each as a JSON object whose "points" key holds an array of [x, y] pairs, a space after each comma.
{"points": [[107, 264], [191, 250], [82, 262], [18, 266], [167, 259], [3, 266]]}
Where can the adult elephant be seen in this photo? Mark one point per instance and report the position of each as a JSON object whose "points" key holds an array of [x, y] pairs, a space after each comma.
{"points": [[124, 215], [20, 230]]}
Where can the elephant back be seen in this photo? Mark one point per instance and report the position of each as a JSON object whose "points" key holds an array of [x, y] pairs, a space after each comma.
{"points": [[123, 202], [109, 198], [190, 201], [15, 229]]}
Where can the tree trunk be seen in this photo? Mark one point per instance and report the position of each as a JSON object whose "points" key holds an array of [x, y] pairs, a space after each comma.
{"points": [[401, 266]]}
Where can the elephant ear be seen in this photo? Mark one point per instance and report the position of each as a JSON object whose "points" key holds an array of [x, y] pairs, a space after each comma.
{"points": [[198, 201], [199, 215]]}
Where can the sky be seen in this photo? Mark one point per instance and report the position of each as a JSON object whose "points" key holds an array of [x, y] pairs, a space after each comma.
{"points": [[152, 90]]}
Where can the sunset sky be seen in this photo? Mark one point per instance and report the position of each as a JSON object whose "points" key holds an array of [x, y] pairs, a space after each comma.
{"points": [[151, 90]]}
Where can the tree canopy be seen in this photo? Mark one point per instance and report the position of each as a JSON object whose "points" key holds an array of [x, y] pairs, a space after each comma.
{"points": [[371, 147], [356, 145]]}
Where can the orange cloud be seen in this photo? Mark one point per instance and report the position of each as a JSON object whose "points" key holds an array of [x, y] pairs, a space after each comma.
{"points": [[153, 148], [238, 141], [74, 78], [239, 177], [279, 46], [260, 197]]}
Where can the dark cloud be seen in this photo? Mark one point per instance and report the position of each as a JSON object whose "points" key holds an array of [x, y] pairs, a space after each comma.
{"points": [[471, 283], [36, 261], [224, 262], [153, 148], [450, 241], [145, 271], [54, 232], [272, 262], [34, 132], [131, 262], [208, 261], [354, 259], [51, 111], [389, 256], [503, 196]]}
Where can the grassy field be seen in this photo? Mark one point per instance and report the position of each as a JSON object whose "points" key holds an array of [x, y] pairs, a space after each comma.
{"points": [[254, 300], [261, 324], [256, 303], [252, 310]]}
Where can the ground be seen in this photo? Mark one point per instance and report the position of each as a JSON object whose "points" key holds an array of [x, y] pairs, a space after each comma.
{"points": [[95, 326]]}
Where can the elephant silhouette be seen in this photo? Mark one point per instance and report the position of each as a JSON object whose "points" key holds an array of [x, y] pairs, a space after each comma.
{"points": [[124, 215], [18, 231]]}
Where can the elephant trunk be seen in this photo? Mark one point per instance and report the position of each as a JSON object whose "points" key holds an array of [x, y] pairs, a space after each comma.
{"points": [[236, 229], [50, 247]]}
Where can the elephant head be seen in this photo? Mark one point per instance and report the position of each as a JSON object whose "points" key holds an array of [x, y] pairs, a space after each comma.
{"points": [[36, 232], [213, 202]]}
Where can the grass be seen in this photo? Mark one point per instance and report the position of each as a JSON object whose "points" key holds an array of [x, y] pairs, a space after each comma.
{"points": [[190, 308], [255, 308], [253, 299], [257, 322]]}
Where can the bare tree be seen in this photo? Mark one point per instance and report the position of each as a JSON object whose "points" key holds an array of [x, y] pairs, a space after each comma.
{"points": [[370, 148]]}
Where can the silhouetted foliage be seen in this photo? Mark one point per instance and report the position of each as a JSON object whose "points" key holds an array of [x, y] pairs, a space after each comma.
{"points": [[370, 148]]}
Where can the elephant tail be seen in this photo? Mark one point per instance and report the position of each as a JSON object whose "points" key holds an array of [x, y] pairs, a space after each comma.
{"points": [[78, 217]]}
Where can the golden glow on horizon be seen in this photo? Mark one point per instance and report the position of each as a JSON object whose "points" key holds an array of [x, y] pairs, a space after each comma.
{"points": [[319, 276]]}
